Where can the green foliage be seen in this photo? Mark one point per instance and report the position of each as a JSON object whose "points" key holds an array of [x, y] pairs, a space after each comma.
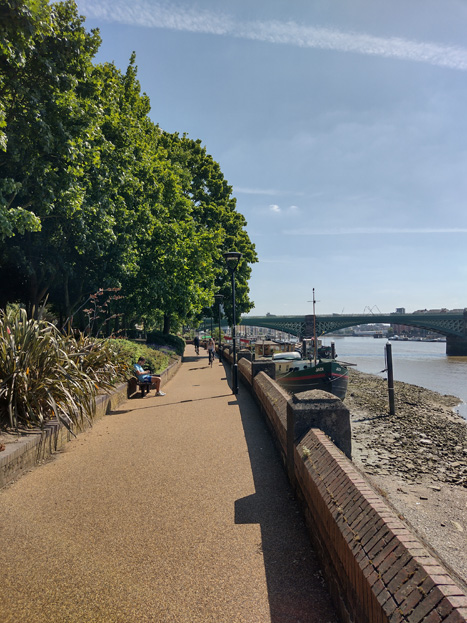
{"points": [[213, 213], [39, 377], [94, 196], [100, 360], [157, 339], [130, 352], [45, 374], [215, 334]]}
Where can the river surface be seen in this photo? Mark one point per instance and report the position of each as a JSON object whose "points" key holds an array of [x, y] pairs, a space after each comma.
{"points": [[418, 363]]}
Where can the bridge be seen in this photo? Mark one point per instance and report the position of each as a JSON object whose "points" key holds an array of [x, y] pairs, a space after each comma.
{"points": [[452, 324]]}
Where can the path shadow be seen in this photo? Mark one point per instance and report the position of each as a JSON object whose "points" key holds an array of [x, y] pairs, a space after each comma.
{"points": [[372, 418], [166, 404], [296, 589]]}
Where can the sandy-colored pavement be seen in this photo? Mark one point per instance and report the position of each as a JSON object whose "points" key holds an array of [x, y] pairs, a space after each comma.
{"points": [[173, 509]]}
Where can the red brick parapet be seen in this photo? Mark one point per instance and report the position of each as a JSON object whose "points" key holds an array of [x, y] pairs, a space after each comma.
{"points": [[377, 570]]}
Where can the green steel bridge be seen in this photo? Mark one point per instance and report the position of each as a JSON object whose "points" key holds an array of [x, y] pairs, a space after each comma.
{"points": [[452, 324]]}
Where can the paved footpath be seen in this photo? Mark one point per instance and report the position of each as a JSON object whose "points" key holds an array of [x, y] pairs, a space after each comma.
{"points": [[173, 509]]}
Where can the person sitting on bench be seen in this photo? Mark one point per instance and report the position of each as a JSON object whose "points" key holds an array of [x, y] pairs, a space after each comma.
{"points": [[145, 376]]}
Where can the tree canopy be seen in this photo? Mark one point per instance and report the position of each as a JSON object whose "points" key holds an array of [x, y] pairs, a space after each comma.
{"points": [[94, 196]]}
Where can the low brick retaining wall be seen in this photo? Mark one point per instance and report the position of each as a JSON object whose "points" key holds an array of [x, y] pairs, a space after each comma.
{"points": [[30, 450], [377, 570]]}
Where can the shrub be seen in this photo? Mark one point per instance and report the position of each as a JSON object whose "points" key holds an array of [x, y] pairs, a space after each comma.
{"points": [[130, 352], [39, 378], [157, 339], [44, 374], [100, 359]]}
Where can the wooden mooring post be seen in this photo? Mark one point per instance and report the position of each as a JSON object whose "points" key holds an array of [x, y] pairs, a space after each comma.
{"points": [[392, 408]]}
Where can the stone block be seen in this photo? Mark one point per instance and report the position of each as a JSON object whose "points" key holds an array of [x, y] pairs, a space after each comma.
{"points": [[244, 353], [319, 409], [268, 367]]}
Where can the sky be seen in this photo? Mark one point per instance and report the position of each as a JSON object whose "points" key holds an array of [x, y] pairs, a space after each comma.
{"points": [[341, 126]]}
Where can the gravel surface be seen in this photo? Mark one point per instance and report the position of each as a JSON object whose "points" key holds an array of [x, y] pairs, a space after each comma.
{"points": [[417, 459], [175, 509]]}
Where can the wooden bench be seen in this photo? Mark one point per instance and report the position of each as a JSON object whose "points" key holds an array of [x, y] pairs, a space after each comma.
{"points": [[134, 384]]}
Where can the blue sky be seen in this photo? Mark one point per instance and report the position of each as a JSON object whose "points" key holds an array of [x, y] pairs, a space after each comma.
{"points": [[341, 126]]}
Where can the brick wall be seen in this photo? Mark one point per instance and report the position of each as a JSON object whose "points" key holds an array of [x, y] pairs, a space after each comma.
{"points": [[376, 569], [273, 402], [379, 571]]}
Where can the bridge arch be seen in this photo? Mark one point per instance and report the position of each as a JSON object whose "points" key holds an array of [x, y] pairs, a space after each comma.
{"points": [[452, 324]]}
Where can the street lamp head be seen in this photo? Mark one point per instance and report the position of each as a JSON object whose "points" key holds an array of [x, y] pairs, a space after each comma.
{"points": [[232, 259], [218, 297]]}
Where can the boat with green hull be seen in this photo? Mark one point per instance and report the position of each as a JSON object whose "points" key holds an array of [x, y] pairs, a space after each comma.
{"points": [[296, 375]]}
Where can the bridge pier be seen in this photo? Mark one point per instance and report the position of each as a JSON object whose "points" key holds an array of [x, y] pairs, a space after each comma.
{"points": [[456, 346]]}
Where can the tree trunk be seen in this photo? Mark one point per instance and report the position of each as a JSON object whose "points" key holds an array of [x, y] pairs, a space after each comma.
{"points": [[66, 295], [166, 329]]}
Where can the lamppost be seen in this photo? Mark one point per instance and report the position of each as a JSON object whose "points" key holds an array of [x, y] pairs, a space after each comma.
{"points": [[219, 298], [232, 258]]}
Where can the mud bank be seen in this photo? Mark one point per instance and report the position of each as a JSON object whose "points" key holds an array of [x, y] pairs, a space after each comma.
{"points": [[417, 459]]}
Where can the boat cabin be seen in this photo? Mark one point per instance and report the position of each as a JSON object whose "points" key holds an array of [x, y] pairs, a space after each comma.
{"points": [[268, 348], [294, 355]]}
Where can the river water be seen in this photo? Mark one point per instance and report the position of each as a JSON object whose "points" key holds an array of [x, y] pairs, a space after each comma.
{"points": [[419, 363]]}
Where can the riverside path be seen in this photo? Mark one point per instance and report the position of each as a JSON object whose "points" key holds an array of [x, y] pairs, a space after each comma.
{"points": [[172, 509]]}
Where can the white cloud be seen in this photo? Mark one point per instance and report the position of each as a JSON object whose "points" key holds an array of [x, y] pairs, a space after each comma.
{"points": [[278, 210], [169, 16]]}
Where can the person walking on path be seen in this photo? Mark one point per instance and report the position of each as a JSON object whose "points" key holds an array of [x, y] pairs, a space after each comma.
{"points": [[196, 344], [146, 377]]}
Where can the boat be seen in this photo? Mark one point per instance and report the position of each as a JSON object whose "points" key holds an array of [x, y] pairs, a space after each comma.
{"points": [[322, 352], [266, 348], [316, 367], [296, 375]]}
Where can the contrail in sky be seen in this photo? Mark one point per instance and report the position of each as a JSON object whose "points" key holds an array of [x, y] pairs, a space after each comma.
{"points": [[352, 231], [172, 17], [266, 191]]}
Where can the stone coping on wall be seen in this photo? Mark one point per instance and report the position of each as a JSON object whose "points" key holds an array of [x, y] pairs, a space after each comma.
{"points": [[32, 449]]}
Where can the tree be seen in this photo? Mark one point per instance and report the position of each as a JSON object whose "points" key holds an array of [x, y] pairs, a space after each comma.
{"points": [[42, 112], [19, 20], [93, 195], [214, 211]]}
